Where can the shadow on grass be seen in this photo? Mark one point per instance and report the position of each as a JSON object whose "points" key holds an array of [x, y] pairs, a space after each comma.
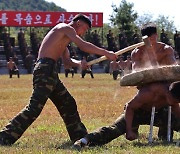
{"points": [[64, 145], [156, 143]]}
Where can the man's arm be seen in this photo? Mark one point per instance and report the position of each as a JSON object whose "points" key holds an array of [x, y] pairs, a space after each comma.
{"points": [[87, 46], [68, 61], [136, 63], [169, 58]]}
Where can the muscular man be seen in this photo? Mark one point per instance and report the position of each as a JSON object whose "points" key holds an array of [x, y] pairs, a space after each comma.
{"points": [[115, 69], [141, 117], [12, 67], [138, 110], [128, 65], [46, 83], [153, 94], [84, 71]]}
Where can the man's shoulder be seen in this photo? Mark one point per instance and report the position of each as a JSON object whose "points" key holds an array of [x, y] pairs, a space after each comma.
{"points": [[165, 47], [62, 25]]}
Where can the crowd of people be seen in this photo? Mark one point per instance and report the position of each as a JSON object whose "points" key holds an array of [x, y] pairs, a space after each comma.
{"points": [[114, 43]]}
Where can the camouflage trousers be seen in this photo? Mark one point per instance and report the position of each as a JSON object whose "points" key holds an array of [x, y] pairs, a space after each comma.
{"points": [[46, 84], [106, 134]]}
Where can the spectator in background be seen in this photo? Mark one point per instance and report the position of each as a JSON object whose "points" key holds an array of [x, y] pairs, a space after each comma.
{"points": [[22, 44], [128, 65], [86, 70], [67, 70], [12, 67], [175, 40], [115, 69], [122, 39], [34, 43], [15, 59], [111, 41], [122, 64], [96, 39], [136, 37], [29, 62], [164, 38], [177, 43]]}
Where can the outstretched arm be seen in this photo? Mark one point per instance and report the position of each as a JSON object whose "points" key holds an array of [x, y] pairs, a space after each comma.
{"points": [[87, 46]]}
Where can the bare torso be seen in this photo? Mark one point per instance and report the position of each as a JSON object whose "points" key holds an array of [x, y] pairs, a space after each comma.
{"points": [[114, 66], [54, 43], [11, 65], [153, 94]]}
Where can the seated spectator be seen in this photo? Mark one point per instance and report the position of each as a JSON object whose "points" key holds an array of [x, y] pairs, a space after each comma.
{"points": [[122, 64], [86, 70], [68, 70], [12, 67], [128, 65], [115, 69]]}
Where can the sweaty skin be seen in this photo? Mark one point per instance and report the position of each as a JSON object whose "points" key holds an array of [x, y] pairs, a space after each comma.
{"points": [[153, 94], [56, 41]]}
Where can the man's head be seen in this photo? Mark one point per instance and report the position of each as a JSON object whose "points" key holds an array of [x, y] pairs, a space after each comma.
{"points": [[174, 89], [82, 18], [148, 29], [81, 24]]}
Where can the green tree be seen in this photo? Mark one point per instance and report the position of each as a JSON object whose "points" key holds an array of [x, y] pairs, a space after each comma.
{"points": [[164, 22], [124, 17], [143, 19]]}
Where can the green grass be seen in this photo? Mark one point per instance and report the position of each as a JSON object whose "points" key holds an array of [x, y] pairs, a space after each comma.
{"points": [[100, 101]]}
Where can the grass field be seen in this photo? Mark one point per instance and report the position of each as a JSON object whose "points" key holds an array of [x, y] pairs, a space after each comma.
{"points": [[100, 101]]}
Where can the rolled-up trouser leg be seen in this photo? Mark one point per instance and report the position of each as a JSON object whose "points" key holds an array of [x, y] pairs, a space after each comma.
{"points": [[67, 108]]}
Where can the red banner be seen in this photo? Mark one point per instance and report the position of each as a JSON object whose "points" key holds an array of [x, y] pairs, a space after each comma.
{"points": [[44, 19]]}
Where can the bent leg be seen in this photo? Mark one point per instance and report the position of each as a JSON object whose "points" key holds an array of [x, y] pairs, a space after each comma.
{"points": [[67, 108], [43, 86], [106, 134]]}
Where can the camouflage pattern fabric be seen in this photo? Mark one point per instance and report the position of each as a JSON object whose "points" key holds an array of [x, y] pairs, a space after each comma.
{"points": [[46, 84], [108, 133]]}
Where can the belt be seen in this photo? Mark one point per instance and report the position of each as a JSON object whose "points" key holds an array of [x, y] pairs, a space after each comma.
{"points": [[46, 60]]}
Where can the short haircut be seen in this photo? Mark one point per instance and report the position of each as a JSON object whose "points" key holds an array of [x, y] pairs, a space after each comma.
{"points": [[175, 90], [83, 18], [148, 29]]}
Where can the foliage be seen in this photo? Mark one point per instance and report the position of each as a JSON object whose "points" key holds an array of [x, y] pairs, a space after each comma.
{"points": [[163, 22], [29, 5], [127, 19], [124, 18]]}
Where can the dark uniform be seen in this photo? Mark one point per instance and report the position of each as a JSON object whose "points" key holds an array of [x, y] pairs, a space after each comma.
{"points": [[46, 84], [141, 117]]}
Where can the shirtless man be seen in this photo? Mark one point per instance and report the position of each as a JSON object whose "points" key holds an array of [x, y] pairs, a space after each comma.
{"points": [[115, 69], [46, 83], [153, 94], [122, 64], [87, 69], [12, 67], [128, 65]]}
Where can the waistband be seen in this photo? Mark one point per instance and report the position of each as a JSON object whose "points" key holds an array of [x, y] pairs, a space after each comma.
{"points": [[46, 60]]}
